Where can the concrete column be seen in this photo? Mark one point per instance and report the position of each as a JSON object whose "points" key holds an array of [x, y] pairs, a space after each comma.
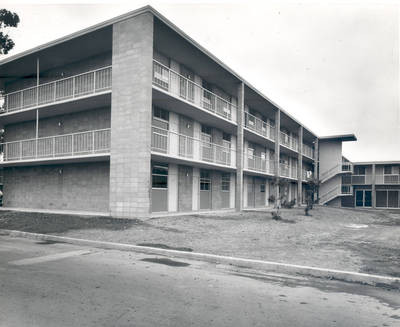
{"points": [[131, 100], [373, 188], [239, 149], [316, 164], [277, 148], [300, 167]]}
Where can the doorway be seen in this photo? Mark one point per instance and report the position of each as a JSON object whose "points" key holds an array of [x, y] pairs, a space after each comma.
{"points": [[363, 198]]}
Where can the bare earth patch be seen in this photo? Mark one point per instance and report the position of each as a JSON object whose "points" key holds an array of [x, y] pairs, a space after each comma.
{"points": [[363, 241]]}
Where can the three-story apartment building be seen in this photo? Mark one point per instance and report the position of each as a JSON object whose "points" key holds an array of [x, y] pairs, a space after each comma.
{"points": [[131, 117]]}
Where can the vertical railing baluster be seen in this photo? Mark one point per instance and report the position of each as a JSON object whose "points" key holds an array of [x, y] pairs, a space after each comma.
{"points": [[93, 142], [94, 82], [72, 145]]}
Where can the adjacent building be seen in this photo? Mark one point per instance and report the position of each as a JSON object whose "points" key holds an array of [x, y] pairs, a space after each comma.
{"points": [[132, 118]]}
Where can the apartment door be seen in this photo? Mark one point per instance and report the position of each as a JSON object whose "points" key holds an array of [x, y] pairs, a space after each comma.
{"points": [[363, 198], [205, 190], [186, 84], [251, 200]]}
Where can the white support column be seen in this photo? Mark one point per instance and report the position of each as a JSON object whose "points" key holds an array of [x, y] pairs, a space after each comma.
{"points": [[277, 148], [300, 167]]}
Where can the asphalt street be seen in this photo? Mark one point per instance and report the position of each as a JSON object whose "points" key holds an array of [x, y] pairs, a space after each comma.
{"points": [[57, 284]]}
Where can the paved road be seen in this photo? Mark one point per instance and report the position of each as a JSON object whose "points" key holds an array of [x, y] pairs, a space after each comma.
{"points": [[44, 284]]}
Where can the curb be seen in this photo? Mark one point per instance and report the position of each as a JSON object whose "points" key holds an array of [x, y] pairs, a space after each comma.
{"points": [[267, 266]]}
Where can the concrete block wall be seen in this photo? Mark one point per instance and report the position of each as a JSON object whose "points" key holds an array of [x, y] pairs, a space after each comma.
{"points": [[185, 188], [131, 114], [83, 186], [62, 124]]}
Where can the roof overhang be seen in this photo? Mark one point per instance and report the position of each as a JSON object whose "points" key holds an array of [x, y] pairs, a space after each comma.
{"points": [[341, 137]]}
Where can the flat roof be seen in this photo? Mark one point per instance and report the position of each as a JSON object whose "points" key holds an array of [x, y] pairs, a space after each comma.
{"points": [[340, 137], [384, 162], [134, 13]]}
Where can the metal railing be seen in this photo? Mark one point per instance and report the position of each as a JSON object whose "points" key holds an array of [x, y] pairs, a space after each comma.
{"points": [[186, 89], [387, 179], [95, 81], [339, 168], [287, 171], [361, 179], [289, 141], [259, 126], [260, 164], [67, 145], [338, 190], [346, 190], [168, 142], [308, 151]]}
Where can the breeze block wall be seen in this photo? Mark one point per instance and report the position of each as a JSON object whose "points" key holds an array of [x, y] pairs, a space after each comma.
{"points": [[130, 175], [83, 186]]}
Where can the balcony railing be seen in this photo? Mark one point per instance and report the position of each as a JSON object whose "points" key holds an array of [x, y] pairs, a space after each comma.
{"points": [[287, 171], [346, 190], [308, 151], [289, 141], [168, 142], [186, 89], [259, 126], [338, 169], [67, 145], [260, 164], [387, 179], [63, 89], [361, 179]]}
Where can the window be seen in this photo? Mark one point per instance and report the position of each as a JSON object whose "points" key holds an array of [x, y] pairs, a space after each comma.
{"points": [[359, 170], [250, 152], [226, 137], [160, 176], [206, 129], [205, 181], [160, 113], [262, 188], [387, 170], [225, 184]]}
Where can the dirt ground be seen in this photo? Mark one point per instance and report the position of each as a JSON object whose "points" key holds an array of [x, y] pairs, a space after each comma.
{"points": [[354, 240]]}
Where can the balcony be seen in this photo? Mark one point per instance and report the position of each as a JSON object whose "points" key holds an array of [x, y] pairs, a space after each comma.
{"points": [[260, 164], [74, 87], [56, 147], [186, 147], [259, 126], [361, 179], [308, 151], [287, 171], [181, 87], [387, 179], [288, 141]]}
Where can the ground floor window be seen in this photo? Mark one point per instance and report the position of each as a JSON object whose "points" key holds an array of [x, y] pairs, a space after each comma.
{"points": [[226, 181], [160, 176]]}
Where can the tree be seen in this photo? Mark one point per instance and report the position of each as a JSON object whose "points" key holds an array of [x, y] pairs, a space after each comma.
{"points": [[7, 19], [311, 189], [283, 186]]}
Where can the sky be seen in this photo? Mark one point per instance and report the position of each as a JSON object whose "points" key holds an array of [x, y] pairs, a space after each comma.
{"points": [[333, 65]]}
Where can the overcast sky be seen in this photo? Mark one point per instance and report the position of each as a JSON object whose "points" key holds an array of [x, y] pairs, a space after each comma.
{"points": [[333, 65]]}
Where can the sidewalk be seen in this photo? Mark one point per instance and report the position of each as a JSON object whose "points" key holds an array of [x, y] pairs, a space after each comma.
{"points": [[348, 240]]}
